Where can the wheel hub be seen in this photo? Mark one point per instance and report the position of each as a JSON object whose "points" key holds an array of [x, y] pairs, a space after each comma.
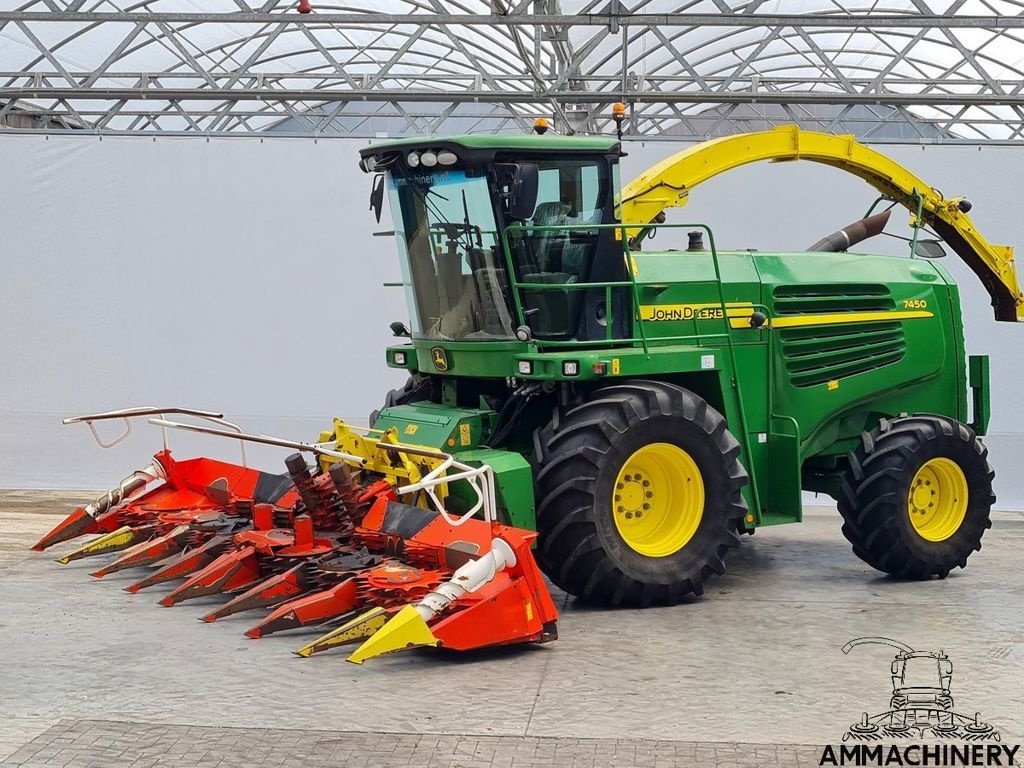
{"points": [[937, 500], [658, 501], [632, 494]]}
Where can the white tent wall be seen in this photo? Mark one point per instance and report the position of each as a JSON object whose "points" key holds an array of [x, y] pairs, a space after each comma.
{"points": [[240, 274]]}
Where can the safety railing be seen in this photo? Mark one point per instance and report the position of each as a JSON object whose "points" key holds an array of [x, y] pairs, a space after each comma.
{"points": [[450, 470], [127, 414], [640, 337]]}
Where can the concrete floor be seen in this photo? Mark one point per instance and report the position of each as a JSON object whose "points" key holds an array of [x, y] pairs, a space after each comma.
{"points": [[757, 661]]}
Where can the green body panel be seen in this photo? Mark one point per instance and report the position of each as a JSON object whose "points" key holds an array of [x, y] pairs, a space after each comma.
{"points": [[501, 359], [981, 406], [513, 480], [917, 378], [436, 425], [458, 431]]}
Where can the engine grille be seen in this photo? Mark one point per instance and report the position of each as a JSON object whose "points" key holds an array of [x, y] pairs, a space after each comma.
{"points": [[815, 355]]}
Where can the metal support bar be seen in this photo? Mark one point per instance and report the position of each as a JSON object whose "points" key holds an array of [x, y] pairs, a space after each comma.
{"points": [[505, 97], [127, 414], [363, 20]]}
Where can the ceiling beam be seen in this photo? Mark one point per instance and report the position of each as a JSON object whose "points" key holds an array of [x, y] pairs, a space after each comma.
{"points": [[329, 18]]}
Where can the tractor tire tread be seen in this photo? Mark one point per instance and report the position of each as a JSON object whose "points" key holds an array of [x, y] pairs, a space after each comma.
{"points": [[873, 490], [568, 453]]}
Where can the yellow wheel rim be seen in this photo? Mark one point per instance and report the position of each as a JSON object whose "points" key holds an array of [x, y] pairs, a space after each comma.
{"points": [[937, 502], [658, 500]]}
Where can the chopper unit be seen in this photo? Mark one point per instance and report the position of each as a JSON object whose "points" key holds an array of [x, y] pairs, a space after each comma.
{"points": [[638, 409]]}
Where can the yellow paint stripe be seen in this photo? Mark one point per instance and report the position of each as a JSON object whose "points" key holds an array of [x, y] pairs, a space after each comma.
{"points": [[842, 318], [108, 542]]}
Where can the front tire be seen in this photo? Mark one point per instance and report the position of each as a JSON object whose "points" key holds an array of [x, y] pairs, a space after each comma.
{"points": [[416, 389], [638, 495], [917, 496]]}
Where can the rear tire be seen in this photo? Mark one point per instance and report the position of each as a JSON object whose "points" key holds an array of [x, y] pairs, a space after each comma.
{"points": [[639, 447], [902, 498]]}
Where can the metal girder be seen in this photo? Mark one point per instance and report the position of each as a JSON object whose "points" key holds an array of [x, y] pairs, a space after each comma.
{"points": [[837, 20], [485, 64], [529, 98], [358, 123]]}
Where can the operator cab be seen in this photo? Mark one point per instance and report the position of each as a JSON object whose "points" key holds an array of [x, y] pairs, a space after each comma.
{"points": [[489, 228]]}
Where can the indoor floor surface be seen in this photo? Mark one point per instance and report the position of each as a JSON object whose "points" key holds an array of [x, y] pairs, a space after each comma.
{"points": [[752, 674]]}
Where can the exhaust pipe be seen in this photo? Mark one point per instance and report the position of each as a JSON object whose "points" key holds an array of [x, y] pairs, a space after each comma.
{"points": [[852, 234]]}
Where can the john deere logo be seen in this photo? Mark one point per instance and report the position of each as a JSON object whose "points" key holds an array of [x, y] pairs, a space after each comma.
{"points": [[440, 358], [920, 726], [695, 311]]}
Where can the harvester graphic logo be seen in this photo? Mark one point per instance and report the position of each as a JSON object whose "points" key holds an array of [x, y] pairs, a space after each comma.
{"points": [[920, 726], [921, 706]]}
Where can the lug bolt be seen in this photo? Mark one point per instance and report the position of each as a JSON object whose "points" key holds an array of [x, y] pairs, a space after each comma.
{"points": [[649, 495], [647, 506], [621, 509], [639, 514], [627, 478], [647, 483], [618, 498], [629, 515], [619, 486]]}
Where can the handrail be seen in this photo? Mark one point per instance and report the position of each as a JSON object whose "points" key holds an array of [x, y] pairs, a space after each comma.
{"points": [[127, 414], [631, 283], [642, 339], [480, 479]]}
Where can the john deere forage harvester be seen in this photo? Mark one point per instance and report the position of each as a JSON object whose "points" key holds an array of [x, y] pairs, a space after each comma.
{"points": [[639, 409]]}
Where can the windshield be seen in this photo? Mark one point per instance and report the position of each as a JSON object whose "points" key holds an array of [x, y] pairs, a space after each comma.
{"points": [[452, 267]]}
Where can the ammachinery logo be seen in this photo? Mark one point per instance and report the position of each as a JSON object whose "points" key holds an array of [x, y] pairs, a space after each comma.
{"points": [[920, 726], [921, 754]]}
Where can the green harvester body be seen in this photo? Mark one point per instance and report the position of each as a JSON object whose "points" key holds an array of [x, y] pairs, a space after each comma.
{"points": [[752, 333]]}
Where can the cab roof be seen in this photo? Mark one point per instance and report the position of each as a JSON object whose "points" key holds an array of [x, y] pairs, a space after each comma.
{"points": [[499, 142]]}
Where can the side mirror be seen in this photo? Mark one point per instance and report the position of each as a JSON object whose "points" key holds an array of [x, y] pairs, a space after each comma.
{"points": [[377, 195], [517, 185], [929, 249]]}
